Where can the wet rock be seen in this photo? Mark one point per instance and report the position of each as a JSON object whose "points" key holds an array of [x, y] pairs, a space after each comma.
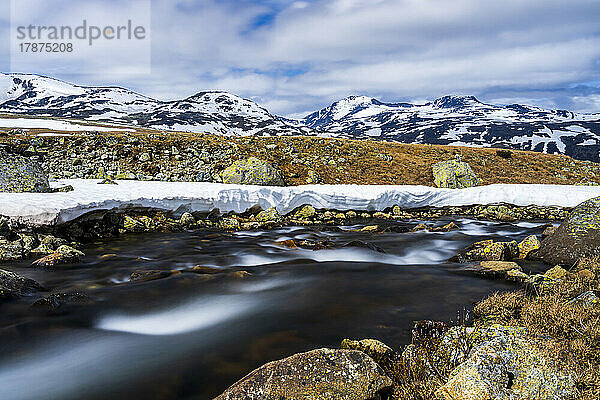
{"points": [[577, 237], [63, 255], [322, 244], [305, 212], [229, 224], [201, 269], [454, 174], [239, 274], [420, 227], [131, 224], [364, 245], [21, 174], [13, 285], [57, 300], [446, 228], [369, 228], [488, 250], [268, 215], [549, 231], [48, 244], [148, 275], [505, 365], [252, 172], [290, 244], [527, 245], [322, 374]]}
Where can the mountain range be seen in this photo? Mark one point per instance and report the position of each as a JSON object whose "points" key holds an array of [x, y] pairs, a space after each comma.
{"points": [[448, 120]]}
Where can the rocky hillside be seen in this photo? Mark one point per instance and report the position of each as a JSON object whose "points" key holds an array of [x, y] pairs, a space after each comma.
{"points": [[196, 157]]}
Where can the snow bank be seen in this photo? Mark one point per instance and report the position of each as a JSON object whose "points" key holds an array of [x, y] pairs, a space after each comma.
{"points": [[54, 124], [53, 208]]}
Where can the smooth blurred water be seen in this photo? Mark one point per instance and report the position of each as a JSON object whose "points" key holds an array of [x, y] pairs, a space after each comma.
{"points": [[188, 336]]}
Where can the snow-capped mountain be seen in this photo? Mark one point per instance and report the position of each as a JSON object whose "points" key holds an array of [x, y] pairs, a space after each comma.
{"points": [[451, 120], [463, 120], [211, 112]]}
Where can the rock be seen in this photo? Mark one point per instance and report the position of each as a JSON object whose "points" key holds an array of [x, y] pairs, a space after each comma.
{"points": [[586, 299], [488, 250], [57, 300], [229, 224], [63, 189], [305, 212], [144, 157], [13, 285], [364, 245], [148, 275], [187, 219], [539, 283], [63, 255], [133, 225], [381, 353], [11, 251], [322, 374], [498, 268], [516, 275], [527, 245], [252, 172], [556, 272], [268, 215], [577, 237], [107, 181], [239, 274], [549, 231], [20, 174], [48, 245], [586, 275], [369, 228], [420, 227], [289, 244], [313, 178], [446, 228], [454, 174], [506, 366]]}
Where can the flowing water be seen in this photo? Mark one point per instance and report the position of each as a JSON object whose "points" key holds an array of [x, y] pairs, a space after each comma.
{"points": [[190, 337]]}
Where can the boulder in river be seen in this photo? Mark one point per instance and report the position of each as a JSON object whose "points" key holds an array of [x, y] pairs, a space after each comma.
{"points": [[577, 237], [322, 374], [252, 172], [21, 174], [488, 250], [13, 285], [454, 174]]}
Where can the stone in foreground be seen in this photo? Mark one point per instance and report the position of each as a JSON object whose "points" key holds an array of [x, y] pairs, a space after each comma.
{"points": [[20, 174], [322, 374], [506, 366], [252, 172], [577, 237], [454, 174]]}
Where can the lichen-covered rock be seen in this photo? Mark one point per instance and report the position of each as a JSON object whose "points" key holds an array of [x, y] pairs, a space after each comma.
{"points": [[10, 251], [268, 215], [13, 285], [63, 255], [527, 245], [488, 250], [516, 275], [229, 224], [20, 174], [48, 244], [322, 374], [577, 237], [454, 174], [187, 219], [556, 272], [252, 172], [507, 366], [586, 299], [378, 351], [305, 212], [497, 268]]}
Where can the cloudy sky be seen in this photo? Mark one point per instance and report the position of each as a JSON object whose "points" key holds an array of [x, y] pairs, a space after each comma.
{"points": [[297, 56]]}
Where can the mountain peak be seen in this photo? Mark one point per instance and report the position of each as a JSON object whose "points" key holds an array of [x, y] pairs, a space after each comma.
{"points": [[452, 101]]}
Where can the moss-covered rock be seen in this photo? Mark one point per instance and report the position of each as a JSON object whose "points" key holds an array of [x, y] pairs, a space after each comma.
{"points": [[21, 174], [13, 285], [305, 212], [322, 374], [577, 237], [252, 172], [454, 174], [506, 365]]}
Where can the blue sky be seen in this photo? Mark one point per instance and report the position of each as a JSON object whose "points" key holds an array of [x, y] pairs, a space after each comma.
{"points": [[297, 56]]}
